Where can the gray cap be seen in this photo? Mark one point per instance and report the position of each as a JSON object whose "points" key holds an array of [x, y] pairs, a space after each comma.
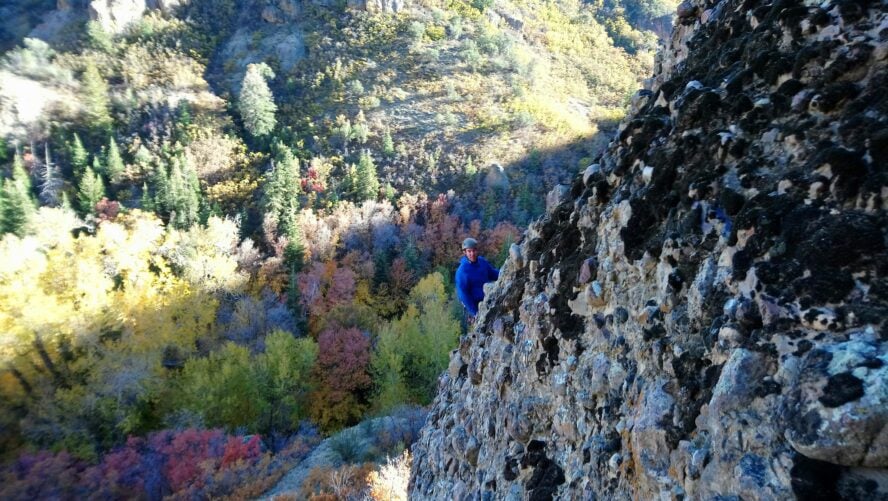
{"points": [[470, 243]]}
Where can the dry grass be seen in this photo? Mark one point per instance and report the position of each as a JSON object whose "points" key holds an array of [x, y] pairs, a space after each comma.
{"points": [[389, 482]]}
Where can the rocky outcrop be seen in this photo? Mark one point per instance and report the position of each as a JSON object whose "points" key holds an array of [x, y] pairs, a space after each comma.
{"points": [[281, 11], [384, 6], [115, 15], [702, 314]]}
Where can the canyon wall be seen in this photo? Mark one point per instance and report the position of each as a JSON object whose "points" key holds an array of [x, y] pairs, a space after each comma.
{"points": [[702, 314]]}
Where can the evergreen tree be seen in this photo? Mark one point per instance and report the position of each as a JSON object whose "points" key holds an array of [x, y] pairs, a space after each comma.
{"points": [[389, 192], [348, 184], [388, 146], [91, 191], [66, 202], [98, 167], [113, 163], [367, 183], [146, 202], [95, 100], [2, 206], [282, 189], [20, 174], [160, 181], [18, 204], [184, 195], [142, 158], [294, 260], [470, 167], [97, 38], [256, 103], [79, 156]]}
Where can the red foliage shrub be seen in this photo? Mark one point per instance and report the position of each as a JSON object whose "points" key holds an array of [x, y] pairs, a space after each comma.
{"points": [[107, 210], [240, 449]]}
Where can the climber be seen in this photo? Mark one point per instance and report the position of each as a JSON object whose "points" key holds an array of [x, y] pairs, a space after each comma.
{"points": [[474, 271]]}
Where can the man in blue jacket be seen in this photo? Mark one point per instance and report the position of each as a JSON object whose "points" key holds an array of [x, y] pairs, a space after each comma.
{"points": [[474, 271]]}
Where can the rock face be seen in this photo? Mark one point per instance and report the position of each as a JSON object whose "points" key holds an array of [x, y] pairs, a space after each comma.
{"points": [[702, 315], [281, 11], [384, 6], [115, 15]]}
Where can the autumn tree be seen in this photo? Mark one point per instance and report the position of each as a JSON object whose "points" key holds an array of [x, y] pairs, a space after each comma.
{"points": [[413, 350], [221, 387], [255, 102], [387, 367], [342, 378], [82, 377], [282, 380], [322, 287]]}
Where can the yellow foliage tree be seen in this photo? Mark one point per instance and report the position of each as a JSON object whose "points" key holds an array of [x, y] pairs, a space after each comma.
{"points": [[85, 323]]}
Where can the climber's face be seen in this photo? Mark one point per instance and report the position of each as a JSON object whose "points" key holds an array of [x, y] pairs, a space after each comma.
{"points": [[472, 254]]}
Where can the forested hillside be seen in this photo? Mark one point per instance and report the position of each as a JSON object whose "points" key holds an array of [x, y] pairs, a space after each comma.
{"points": [[230, 227]]}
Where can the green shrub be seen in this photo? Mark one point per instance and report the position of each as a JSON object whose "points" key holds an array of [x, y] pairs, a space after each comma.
{"points": [[435, 32], [350, 445], [416, 30]]}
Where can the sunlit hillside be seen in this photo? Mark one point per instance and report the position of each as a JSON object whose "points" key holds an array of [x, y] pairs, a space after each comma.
{"points": [[229, 228]]}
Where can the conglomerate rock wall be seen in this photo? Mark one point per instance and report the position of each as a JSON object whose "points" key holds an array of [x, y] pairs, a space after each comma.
{"points": [[702, 315]]}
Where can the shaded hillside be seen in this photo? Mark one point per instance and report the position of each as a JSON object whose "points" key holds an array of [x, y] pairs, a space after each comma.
{"points": [[702, 315]]}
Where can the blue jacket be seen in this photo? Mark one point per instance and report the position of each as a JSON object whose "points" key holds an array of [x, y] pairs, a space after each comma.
{"points": [[470, 280]]}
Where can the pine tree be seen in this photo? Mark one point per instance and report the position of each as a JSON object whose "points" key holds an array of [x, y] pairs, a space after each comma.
{"points": [[20, 175], [91, 191], [255, 102], [79, 156], [146, 202], [95, 100], [18, 204], [2, 206], [388, 146], [160, 181], [184, 198], [470, 167], [294, 260], [66, 202], [367, 183], [97, 38], [282, 189], [113, 163], [98, 167]]}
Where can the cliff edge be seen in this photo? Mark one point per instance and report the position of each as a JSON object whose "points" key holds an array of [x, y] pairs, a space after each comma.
{"points": [[702, 315]]}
